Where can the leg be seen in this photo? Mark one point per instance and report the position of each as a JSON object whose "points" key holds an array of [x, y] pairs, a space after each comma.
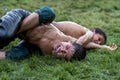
{"points": [[46, 15], [43, 15], [21, 51], [9, 25]]}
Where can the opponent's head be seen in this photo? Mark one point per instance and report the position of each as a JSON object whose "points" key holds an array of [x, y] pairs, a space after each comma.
{"points": [[99, 36], [80, 52], [46, 15], [70, 51]]}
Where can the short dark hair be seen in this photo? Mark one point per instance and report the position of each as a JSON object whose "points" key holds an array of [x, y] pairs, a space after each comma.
{"points": [[80, 52], [99, 31]]}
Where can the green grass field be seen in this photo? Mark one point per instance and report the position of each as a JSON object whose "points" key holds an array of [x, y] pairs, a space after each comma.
{"points": [[98, 65]]}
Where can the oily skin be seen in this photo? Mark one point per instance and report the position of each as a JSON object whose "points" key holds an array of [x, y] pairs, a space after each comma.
{"points": [[47, 39], [76, 30]]}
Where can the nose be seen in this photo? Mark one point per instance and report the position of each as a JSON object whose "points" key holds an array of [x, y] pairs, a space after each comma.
{"points": [[63, 49]]}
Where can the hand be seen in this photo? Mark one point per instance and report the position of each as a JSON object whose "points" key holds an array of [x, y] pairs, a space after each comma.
{"points": [[111, 47]]}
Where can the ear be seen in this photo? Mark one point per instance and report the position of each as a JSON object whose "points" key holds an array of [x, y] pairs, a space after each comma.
{"points": [[93, 30]]}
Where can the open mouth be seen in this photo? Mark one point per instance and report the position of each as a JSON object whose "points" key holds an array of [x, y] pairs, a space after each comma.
{"points": [[57, 48]]}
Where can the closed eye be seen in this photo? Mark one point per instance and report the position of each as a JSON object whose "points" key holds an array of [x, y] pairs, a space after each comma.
{"points": [[67, 47]]}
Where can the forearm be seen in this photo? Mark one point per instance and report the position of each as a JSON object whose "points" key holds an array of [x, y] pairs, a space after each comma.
{"points": [[64, 37], [69, 38], [93, 45], [85, 39]]}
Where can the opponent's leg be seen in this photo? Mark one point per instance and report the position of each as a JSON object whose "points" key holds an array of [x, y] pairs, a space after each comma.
{"points": [[44, 15], [9, 25], [21, 51]]}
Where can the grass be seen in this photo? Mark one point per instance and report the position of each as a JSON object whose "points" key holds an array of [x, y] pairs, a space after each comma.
{"points": [[98, 65]]}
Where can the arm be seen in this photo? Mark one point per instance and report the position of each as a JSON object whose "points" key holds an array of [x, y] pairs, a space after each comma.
{"points": [[93, 45], [64, 37], [85, 39]]}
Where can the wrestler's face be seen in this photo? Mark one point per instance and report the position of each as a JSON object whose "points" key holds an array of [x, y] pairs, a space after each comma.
{"points": [[64, 50], [98, 38]]}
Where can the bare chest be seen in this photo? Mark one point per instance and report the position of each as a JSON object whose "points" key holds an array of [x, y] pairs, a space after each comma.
{"points": [[43, 39]]}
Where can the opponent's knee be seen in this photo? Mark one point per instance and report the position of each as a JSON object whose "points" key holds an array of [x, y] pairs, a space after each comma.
{"points": [[46, 15]]}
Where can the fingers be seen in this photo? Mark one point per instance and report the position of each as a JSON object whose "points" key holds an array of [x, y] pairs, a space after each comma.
{"points": [[113, 46]]}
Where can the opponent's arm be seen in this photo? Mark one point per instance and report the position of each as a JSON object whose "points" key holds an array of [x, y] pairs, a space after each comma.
{"points": [[64, 37], [85, 39], [93, 45]]}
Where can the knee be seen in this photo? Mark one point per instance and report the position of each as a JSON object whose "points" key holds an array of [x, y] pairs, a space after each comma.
{"points": [[46, 15]]}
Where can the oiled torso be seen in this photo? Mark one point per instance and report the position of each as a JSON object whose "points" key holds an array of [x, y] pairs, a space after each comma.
{"points": [[44, 37]]}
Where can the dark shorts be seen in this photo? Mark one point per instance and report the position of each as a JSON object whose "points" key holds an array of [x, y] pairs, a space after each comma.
{"points": [[46, 15], [9, 25], [21, 51]]}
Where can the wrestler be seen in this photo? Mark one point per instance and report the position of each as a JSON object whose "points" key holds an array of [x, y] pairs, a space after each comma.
{"points": [[84, 40]]}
